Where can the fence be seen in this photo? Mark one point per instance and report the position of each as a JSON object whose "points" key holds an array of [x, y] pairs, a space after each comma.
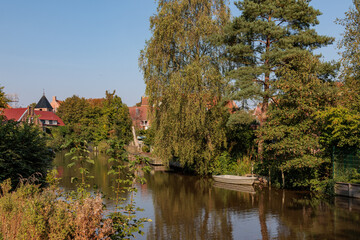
{"points": [[346, 165]]}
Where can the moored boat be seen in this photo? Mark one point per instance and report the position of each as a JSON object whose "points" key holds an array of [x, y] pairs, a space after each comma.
{"points": [[235, 179], [235, 187]]}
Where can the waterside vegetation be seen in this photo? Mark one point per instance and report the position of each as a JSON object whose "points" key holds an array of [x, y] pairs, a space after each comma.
{"points": [[196, 62]]}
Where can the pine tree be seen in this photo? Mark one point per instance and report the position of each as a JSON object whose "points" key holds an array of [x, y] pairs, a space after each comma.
{"points": [[263, 38], [184, 82], [292, 132]]}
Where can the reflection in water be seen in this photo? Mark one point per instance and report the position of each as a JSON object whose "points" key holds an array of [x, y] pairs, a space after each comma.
{"points": [[188, 207], [102, 181]]}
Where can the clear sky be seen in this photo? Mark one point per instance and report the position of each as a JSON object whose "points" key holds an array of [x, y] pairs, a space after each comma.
{"points": [[86, 47]]}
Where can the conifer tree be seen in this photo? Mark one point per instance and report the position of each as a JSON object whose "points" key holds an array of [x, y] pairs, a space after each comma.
{"points": [[263, 38], [184, 82], [292, 131]]}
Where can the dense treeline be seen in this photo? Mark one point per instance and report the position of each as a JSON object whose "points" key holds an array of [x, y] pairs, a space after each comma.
{"points": [[93, 120], [292, 107], [198, 58]]}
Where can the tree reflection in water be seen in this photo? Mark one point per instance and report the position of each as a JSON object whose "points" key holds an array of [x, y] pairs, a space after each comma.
{"points": [[188, 207]]}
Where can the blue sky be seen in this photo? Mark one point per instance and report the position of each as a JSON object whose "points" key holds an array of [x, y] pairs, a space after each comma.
{"points": [[86, 47]]}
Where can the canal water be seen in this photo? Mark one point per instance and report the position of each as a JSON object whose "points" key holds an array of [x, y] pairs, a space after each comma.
{"points": [[189, 207]]}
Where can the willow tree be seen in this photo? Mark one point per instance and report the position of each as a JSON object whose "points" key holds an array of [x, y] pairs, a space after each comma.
{"points": [[184, 81], [350, 44], [262, 38]]}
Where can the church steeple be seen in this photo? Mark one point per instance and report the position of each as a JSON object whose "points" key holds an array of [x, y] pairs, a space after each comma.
{"points": [[43, 104]]}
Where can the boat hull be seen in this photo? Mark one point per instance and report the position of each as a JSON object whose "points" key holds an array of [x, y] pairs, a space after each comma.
{"points": [[232, 179]]}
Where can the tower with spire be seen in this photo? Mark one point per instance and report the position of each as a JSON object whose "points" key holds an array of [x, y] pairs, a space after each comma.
{"points": [[43, 104]]}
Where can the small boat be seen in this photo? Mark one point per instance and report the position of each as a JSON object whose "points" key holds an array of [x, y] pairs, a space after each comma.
{"points": [[235, 179], [235, 187]]}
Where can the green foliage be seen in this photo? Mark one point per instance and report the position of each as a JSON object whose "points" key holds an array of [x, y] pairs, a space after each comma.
{"points": [[225, 164], [3, 99], [241, 134], [73, 110], [127, 172], [263, 38], [116, 119], [184, 82], [94, 120], [292, 133], [340, 128], [80, 159], [348, 175], [23, 151], [350, 61], [58, 137], [145, 149]]}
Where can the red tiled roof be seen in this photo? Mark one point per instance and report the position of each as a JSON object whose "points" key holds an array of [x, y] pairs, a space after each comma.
{"points": [[45, 115], [13, 113], [17, 113]]}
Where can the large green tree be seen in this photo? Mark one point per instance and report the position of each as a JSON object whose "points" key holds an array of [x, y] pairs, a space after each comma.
{"points": [[263, 38], [184, 82], [350, 61], [73, 109], [116, 121], [95, 120], [23, 151], [292, 132]]}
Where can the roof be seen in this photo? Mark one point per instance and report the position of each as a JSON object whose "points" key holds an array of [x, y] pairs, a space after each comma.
{"points": [[17, 114], [13, 113], [47, 115], [43, 103]]}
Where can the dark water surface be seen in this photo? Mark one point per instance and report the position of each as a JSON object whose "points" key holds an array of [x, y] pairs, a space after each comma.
{"points": [[188, 207]]}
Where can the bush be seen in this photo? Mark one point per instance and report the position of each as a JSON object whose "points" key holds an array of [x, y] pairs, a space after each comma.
{"points": [[225, 164], [32, 213], [23, 151]]}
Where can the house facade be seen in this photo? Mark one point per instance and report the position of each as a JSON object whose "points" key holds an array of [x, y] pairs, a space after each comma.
{"points": [[55, 104], [139, 114]]}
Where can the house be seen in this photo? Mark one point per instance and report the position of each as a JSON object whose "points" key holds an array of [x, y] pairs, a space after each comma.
{"points": [[139, 114], [55, 104], [42, 114], [38, 117]]}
